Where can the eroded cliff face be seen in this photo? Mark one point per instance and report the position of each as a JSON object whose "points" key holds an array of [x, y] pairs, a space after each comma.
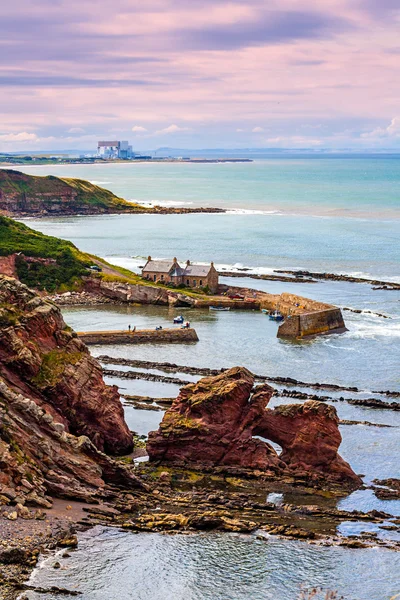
{"points": [[33, 195], [57, 416], [43, 357], [215, 423]]}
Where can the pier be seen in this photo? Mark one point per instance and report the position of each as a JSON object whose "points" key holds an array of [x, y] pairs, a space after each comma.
{"points": [[140, 336]]}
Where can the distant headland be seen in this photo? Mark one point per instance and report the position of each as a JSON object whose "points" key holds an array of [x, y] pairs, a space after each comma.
{"points": [[30, 195]]}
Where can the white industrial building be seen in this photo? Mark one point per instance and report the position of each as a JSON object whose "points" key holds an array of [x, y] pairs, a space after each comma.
{"points": [[114, 149]]}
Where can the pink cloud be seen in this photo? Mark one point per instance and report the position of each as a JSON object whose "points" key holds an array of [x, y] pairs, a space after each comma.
{"points": [[203, 68]]}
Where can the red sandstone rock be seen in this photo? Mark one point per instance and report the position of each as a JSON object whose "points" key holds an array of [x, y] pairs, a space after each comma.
{"points": [[214, 421], [52, 390], [7, 265], [309, 436], [41, 357]]}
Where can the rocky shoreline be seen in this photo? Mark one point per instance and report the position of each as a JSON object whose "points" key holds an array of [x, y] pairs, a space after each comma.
{"points": [[185, 500], [386, 285], [66, 211], [211, 468]]}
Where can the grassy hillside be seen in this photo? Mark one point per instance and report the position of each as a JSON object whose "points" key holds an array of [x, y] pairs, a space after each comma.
{"points": [[30, 193], [67, 264], [70, 264]]}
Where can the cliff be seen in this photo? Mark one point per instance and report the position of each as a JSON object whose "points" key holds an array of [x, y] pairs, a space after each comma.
{"points": [[30, 195], [217, 421], [33, 195], [58, 419]]}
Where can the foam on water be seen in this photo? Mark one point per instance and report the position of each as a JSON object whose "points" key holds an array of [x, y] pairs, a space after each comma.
{"points": [[246, 211], [374, 327]]}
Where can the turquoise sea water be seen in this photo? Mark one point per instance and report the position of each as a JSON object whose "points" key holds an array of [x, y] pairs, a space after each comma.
{"points": [[361, 187], [338, 215]]}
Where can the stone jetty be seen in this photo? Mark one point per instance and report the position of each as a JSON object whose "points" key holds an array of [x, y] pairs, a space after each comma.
{"points": [[141, 336]]}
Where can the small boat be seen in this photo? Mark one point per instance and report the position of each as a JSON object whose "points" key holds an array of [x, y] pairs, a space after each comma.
{"points": [[179, 319], [220, 308], [276, 316], [265, 311]]}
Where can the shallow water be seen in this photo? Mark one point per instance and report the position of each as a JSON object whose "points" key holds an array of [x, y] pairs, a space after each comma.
{"points": [[367, 355], [114, 565]]}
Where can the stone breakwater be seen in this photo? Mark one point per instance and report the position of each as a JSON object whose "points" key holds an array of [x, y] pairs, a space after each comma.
{"points": [[329, 320], [304, 317], [141, 336]]}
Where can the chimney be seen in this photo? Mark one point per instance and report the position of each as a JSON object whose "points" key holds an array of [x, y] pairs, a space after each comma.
{"points": [[212, 264], [187, 263], [175, 259], [149, 258]]}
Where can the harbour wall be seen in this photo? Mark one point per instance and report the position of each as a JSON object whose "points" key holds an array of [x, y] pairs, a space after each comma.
{"points": [[143, 336], [329, 320]]}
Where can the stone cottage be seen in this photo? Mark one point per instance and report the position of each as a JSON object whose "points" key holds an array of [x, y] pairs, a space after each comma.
{"points": [[170, 272]]}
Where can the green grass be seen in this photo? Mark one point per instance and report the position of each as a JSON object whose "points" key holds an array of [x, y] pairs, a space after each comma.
{"points": [[53, 367], [80, 194], [69, 263], [69, 266]]}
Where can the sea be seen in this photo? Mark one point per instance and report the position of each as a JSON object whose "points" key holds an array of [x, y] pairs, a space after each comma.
{"points": [[337, 215]]}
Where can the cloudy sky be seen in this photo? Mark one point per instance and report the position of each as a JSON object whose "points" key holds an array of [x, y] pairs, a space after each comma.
{"points": [[200, 73]]}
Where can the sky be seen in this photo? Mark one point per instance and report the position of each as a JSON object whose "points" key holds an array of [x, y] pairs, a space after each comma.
{"points": [[200, 74]]}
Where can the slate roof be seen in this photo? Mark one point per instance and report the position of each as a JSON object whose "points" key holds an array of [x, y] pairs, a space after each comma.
{"points": [[177, 272], [197, 270], [159, 266]]}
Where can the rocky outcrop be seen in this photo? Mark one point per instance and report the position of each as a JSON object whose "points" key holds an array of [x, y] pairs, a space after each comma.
{"points": [[39, 459], [7, 265], [140, 294], [44, 359], [216, 421], [58, 419], [309, 437]]}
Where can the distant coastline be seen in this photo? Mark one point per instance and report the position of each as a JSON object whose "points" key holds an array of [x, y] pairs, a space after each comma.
{"points": [[35, 161]]}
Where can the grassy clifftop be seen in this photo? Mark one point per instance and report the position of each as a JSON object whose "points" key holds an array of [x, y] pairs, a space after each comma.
{"points": [[59, 263], [48, 263], [31, 194]]}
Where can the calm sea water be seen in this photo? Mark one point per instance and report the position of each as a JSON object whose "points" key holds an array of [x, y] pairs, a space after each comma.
{"points": [[326, 215], [113, 565]]}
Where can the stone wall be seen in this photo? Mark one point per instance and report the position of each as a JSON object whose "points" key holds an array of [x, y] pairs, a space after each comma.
{"points": [[144, 336], [329, 320]]}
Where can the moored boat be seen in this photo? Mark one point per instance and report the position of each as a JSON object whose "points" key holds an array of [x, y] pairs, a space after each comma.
{"points": [[220, 308], [276, 316]]}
